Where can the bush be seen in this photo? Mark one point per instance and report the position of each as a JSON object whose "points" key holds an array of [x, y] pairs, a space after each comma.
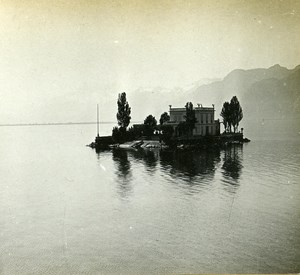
{"points": [[167, 133], [182, 129], [134, 132], [119, 134]]}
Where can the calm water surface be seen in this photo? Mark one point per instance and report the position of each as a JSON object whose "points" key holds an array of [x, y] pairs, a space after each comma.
{"points": [[64, 209]]}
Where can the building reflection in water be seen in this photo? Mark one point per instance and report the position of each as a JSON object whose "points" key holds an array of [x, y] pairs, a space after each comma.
{"points": [[124, 174], [195, 167], [187, 167]]}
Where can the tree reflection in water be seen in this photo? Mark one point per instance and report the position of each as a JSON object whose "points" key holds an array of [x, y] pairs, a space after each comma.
{"points": [[149, 158], [194, 166], [232, 165], [120, 157], [186, 167]]}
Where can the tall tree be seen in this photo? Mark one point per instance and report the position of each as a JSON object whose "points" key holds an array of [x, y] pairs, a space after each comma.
{"points": [[123, 115], [226, 115], [232, 114], [190, 117], [236, 112], [164, 118]]}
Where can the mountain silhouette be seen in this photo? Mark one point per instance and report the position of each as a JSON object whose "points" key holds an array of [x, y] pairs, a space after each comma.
{"points": [[269, 98]]}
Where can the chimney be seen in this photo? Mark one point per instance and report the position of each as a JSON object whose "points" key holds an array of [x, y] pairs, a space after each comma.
{"points": [[170, 106]]}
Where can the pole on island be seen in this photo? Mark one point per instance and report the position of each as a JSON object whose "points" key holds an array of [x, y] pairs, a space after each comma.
{"points": [[97, 120]]}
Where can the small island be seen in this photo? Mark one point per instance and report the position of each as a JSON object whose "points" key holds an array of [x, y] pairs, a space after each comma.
{"points": [[181, 128]]}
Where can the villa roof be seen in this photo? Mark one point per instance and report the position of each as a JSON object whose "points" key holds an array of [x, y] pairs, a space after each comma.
{"points": [[196, 109]]}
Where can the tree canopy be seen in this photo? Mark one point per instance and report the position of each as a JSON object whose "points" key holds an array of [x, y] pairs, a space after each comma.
{"points": [[150, 121], [123, 115], [167, 133], [226, 115], [232, 114], [190, 117], [237, 113], [164, 118]]}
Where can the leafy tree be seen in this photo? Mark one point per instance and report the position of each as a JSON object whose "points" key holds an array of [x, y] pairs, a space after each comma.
{"points": [[182, 128], [134, 132], [167, 133], [117, 135], [232, 114], [190, 117], [237, 113], [226, 115], [124, 111], [150, 123], [164, 118]]}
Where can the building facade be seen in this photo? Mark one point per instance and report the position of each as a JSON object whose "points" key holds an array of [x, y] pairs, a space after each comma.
{"points": [[205, 125]]}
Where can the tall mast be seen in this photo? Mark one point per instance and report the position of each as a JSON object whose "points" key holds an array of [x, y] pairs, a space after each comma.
{"points": [[97, 120]]}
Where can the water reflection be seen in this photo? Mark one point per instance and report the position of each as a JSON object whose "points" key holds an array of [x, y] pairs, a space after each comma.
{"points": [[191, 164], [232, 166], [148, 157], [193, 168], [120, 158]]}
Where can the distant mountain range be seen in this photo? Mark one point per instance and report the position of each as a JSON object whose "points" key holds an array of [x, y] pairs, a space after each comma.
{"points": [[270, 99]]}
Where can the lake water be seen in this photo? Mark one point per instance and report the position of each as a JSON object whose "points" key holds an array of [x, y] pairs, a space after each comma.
{"points": [[64, 209]]}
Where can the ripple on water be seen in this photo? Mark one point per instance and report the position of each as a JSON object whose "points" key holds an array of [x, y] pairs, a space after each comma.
{"points": [[66, 209]]}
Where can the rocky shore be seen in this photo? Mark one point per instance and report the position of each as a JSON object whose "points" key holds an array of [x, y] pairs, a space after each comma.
{"points": [[107, 143]]}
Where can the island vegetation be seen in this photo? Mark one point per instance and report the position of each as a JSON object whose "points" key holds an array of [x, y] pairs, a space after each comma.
{"points": [[164, 134], [232, 114]]}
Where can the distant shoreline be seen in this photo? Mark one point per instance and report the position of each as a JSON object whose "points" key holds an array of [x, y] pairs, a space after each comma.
{"points": [[56, 123]]}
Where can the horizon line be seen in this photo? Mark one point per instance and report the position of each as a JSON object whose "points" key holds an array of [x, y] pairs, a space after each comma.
{"points": [[58, 123]]}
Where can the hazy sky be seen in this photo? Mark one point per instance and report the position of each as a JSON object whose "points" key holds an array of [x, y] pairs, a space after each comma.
{"points": [[54, 54]]}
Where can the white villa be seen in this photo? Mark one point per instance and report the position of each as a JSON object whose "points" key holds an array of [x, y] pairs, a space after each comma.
{"points": [[205, 125]]}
